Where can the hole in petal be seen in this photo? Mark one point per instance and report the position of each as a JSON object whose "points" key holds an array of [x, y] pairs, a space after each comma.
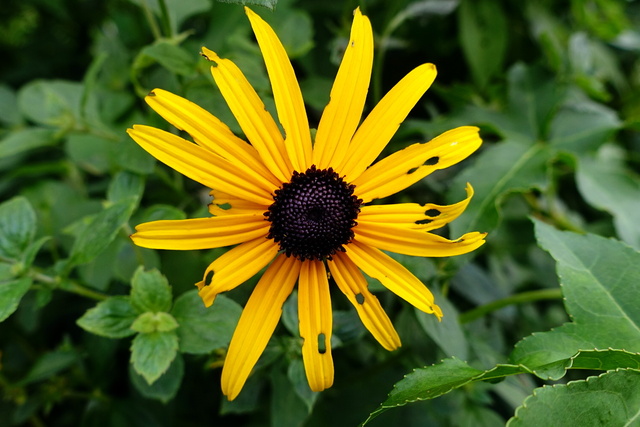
{"points": [[432, 161], [322, 343], [360, 299], [208, 278], [432, 212], [412, 170], [423, 221]]}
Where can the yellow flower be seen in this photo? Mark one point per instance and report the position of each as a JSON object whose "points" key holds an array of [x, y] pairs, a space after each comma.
{"points": [[300, 207]]}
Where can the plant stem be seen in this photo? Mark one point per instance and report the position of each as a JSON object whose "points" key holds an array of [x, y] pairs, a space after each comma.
{"points": [[521, 298], [164, 16], [68, 285], [153, 25]]}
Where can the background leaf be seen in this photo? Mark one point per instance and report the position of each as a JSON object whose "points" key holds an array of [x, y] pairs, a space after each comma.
{"points": [[17, 227], [150, 291], [600, 279], [111, 318], [610, 399], [152, 354]]}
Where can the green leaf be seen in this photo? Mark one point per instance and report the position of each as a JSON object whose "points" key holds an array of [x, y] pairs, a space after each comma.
{"points": [[17, 227], [9, 113], [483, 36], [11, 292], [164, 388], [152, 322], [269, 4], [150, 291], [447, 333], [582, 125], [124, 185], [172, 57], [49, 364], [152, 354], [606, 184], [298, 379], [26, 139], [506, 168], [111, 318], [295, 30], [51, 102], [204, 329], [611, 399], [600, 281], [100, 231], [287, 408], [436, 380], [92, 153]]}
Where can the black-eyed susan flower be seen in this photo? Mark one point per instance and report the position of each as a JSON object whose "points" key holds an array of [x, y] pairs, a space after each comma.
{"points": [[300, 207]]}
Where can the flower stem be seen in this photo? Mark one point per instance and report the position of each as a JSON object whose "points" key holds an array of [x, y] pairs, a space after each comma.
{"points": [[151, 20], [68, 286], [521, 298], [164, 16]]}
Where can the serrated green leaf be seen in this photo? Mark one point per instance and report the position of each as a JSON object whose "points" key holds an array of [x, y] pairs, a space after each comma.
{"points": [[164, 388], [150, 291], [111, 318], [203, 329], [26, 139], [484, 45], [596, 178], [611, 399], [17, 227], [152, 322], [101, 231], [600, 281], [152, 354], [436, 380], [506, 168], [29, 254], [11, 292]]}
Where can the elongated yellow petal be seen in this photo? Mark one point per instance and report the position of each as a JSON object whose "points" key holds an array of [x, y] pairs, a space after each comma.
{"points": [[200, 164], [383, 122], [286, 93], [316, 323], [255, 121], [406, 167], [257, 323], [200, 233], [226, 204], [353, 284], [235, 267], [393, 276], [416, 242], [412, 215], [342, 115], [210, 133]]}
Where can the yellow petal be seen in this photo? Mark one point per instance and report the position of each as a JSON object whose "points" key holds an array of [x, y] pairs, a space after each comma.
{"points": [[316, 322], [353, 284], [256, 122], [412, 215], [415, 242], [200, 164], [393, 276], [342, 115], [286, 93], [383, 122], [257, 323], [235, 267], [225, 204], [209, 132], [200, 233], [406, 167]]}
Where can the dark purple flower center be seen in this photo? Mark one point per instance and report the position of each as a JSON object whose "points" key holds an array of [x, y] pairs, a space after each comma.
{"points": [[313, 215]]}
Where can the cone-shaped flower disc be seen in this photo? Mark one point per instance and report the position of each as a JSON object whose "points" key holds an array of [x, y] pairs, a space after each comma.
{"points": [[299, 207]]}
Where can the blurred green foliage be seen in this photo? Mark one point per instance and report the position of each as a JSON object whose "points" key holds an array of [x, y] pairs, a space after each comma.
{"points": [[98, 332]]}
